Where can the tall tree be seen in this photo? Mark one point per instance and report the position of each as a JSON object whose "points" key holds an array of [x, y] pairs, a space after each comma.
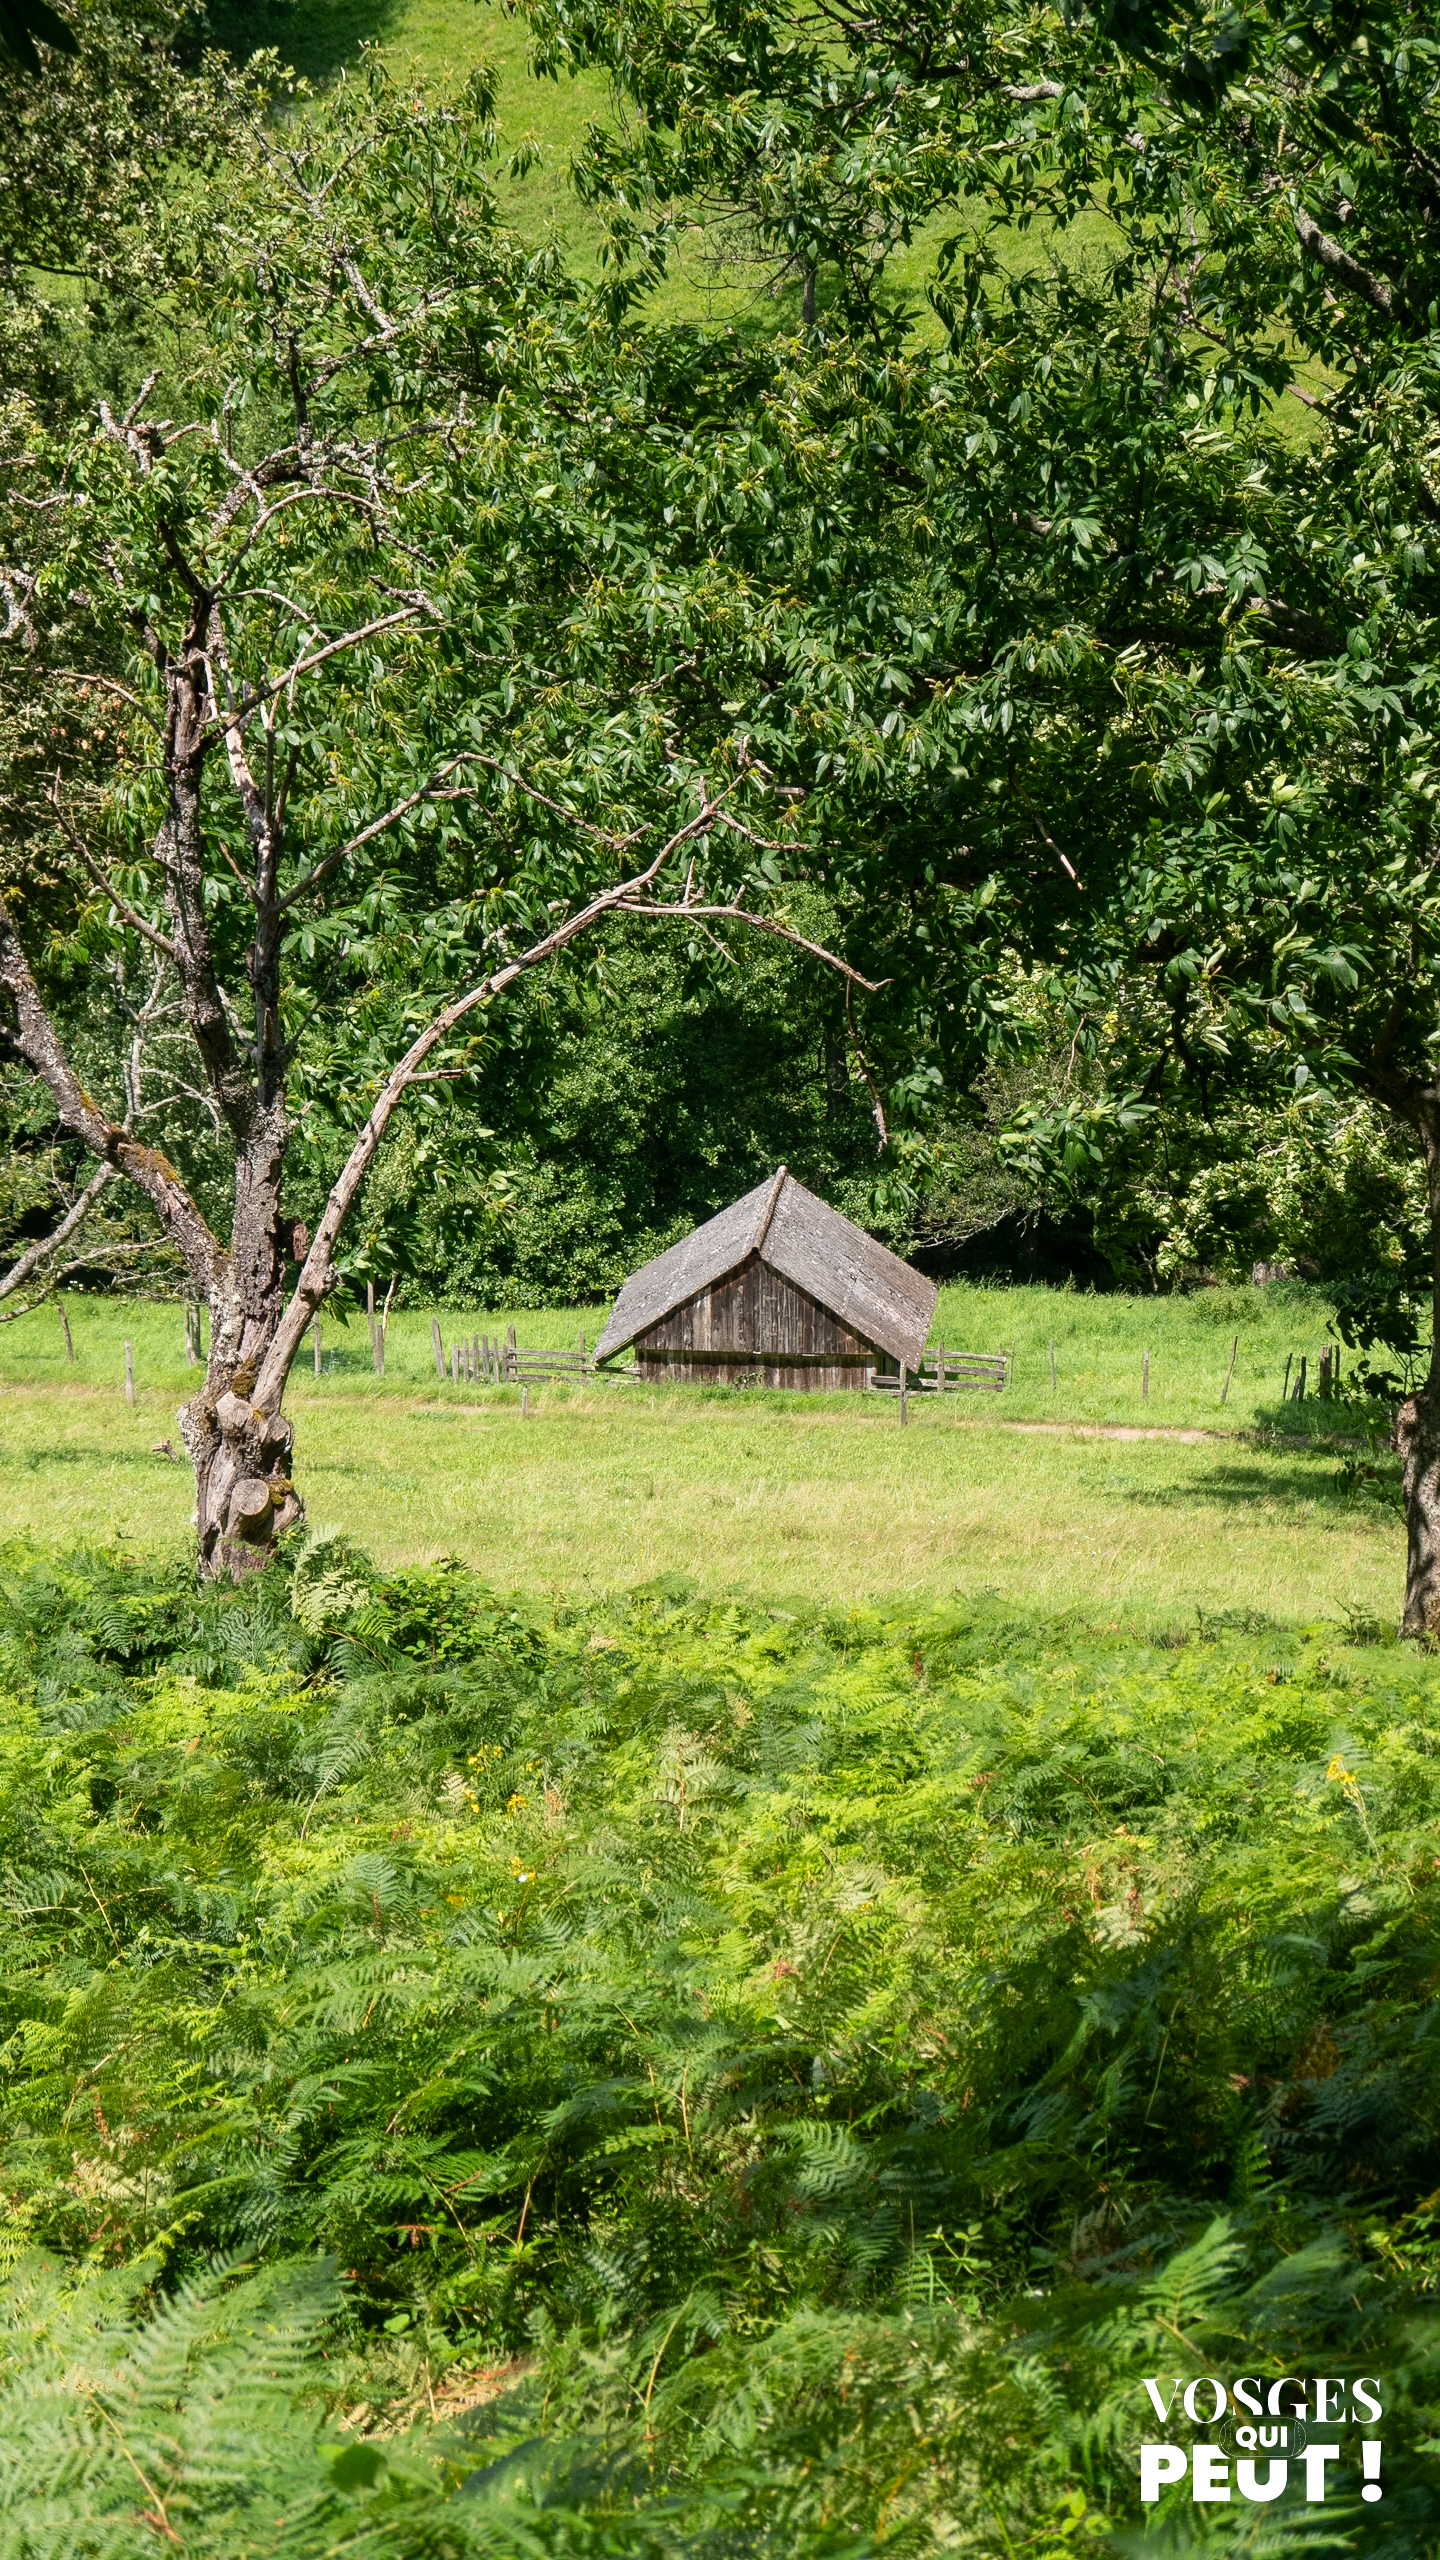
{"points": [[1171, 504], [389, 727]]}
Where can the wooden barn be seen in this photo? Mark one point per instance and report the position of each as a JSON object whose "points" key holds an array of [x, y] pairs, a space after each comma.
{"points": [[778, 1288]]}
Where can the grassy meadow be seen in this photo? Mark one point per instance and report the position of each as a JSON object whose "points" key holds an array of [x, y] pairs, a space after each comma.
{"points": [[803, 1500]]}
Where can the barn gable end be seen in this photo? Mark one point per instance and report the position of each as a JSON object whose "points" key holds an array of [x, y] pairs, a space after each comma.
{"points": [[779, 1287], [754, 1323]]}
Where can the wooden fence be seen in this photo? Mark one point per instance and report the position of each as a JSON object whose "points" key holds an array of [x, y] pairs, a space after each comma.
{"points": [[490, 1362], [941, 1372], [487, 1361]]}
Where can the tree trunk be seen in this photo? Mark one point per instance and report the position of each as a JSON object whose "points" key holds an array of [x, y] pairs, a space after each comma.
{"points": [[239, 1440], [244, 1495], [1417, 1437], [1417, 1425]]}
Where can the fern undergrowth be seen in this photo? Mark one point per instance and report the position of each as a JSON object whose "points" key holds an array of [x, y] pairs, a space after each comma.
{"points": [[676, 2078]]}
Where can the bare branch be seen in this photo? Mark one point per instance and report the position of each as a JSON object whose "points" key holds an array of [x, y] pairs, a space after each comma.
{"points": [[44, 1053], [1376, 289], [876, 1105], [42, 1249], [436, 788], [332, 648], [627, 897], [315, 1280], [252, 799], [84, 677], [734, 913]]}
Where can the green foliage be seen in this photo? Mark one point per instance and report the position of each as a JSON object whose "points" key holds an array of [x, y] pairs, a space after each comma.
{"points": [[812, 2067], [616, 1111], [1146, 686], [1081, 690], [92, 148], [119, 2429]]}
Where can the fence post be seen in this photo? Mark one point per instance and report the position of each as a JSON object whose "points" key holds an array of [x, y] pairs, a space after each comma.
{"points": [[1300, 1381], [65, 1329], [583, 1371], [438, 1346], [511, 1364], [524, 1399], [1230, 1372], [129, 1375], [940, 1371], [1285, 1390]]}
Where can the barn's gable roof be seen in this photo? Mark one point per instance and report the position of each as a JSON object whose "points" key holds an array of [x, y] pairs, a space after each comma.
{"points": [[868, 1288]]}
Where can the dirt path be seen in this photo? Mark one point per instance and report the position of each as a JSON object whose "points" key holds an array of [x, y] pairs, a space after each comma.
{"points": [[1109, 1430], [1144, 1431]]}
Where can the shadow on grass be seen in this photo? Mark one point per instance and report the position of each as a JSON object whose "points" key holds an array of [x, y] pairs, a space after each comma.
{"points": [[1296, 1483], [1345, 1423]]}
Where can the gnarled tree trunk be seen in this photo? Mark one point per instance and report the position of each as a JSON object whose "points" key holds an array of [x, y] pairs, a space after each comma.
{"points": [[240, 1446], [238, 1439]]}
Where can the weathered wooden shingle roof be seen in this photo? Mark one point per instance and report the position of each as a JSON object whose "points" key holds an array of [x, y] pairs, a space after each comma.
{"points": [[866, 1286]]}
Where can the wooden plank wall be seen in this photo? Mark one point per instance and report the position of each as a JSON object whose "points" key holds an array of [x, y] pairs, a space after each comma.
{"points": [[755, 1324]]}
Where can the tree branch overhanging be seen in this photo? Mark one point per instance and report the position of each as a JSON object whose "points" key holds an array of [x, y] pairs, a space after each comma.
{"points": [[626, 897]]}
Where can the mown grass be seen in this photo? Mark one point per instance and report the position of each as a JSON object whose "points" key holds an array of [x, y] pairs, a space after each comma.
{"points": [[804, 1500]]}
